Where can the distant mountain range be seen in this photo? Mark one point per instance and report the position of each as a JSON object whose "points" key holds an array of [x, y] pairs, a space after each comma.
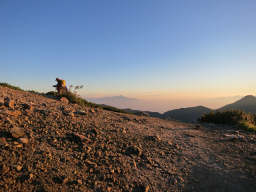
{"points": [[189, 114], [246, 104], [112, 100], [145, 113]]}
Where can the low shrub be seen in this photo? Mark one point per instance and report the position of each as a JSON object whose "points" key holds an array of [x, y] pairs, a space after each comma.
{"points": [[74, 98], [10, 86], [231, 117]]}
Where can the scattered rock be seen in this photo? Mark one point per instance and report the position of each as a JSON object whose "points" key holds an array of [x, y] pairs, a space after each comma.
{"points": [[133, 150], [18, 145], [153, 138], [94, 131], [197, 126], [74, 138], [64, 100], [18, 167], [188, 135], [90, 163], [31, 176], [8, 102], [79, 181], [92, 110], [141, 188], [26, 106], [80, 112], [17, 132], [3, 141], [123, 131], [126, 118], [68, 113], [252, 158], [49, 151], [4, 169], [58, 179], [14, 113], [232, 137], [82, 137], [23, 140]]}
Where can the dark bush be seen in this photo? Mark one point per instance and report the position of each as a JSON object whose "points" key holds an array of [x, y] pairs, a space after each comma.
{"points": [[10, 86], [231, 117]]}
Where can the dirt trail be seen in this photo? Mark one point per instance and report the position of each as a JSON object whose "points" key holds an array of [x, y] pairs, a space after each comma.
{"points": [[49, 145]]}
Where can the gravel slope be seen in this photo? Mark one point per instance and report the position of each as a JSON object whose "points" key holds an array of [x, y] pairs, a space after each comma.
{"points": [[50, 145]]}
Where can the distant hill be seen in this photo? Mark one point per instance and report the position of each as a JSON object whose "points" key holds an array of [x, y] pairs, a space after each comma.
{"points": [[144, 113], [246, 104], [190, 114], [111, 100]]}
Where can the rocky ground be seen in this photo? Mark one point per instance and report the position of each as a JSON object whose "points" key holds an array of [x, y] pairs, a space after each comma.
{"points": [[50, 145]]}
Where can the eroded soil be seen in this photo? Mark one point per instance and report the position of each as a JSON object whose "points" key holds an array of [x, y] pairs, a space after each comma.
{"points": [[50, 145]]}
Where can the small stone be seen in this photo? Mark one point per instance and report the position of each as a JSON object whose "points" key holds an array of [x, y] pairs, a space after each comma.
{"points": [[90, 163], [152, 138], [133, 150], [18, 168], [5, 169], [23, 140], [31, 176], [65, 180], [19, 145], [68, 113], [197, 126], [252, 158], [27, 106], [134, 164], [81, 137], [80, 112], [92, 110], [3, 141], [14, 113], [58, 179], [147, 189], [17, 132], [64, 100], [8, 102], [99, 154], [232, 137], [79, 181], [123, 131]]}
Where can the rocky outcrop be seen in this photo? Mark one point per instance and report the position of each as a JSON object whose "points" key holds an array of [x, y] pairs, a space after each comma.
{"points": [[51, 145]]}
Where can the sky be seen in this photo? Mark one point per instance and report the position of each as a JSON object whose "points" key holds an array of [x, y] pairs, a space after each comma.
{"points": [[178, 52]]}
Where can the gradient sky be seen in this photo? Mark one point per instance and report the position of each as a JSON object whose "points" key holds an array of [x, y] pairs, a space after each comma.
{"points": [[147, 49]]}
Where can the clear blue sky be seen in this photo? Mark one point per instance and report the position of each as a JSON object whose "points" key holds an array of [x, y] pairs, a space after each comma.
{"points": [[132, 47]]}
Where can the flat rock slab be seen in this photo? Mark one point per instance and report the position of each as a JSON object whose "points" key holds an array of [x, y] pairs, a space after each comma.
{"points": [[17, 132]]}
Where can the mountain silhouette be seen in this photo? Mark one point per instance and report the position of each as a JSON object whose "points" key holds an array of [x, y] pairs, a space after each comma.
{"points": [[246, 104], [190, 114]]}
